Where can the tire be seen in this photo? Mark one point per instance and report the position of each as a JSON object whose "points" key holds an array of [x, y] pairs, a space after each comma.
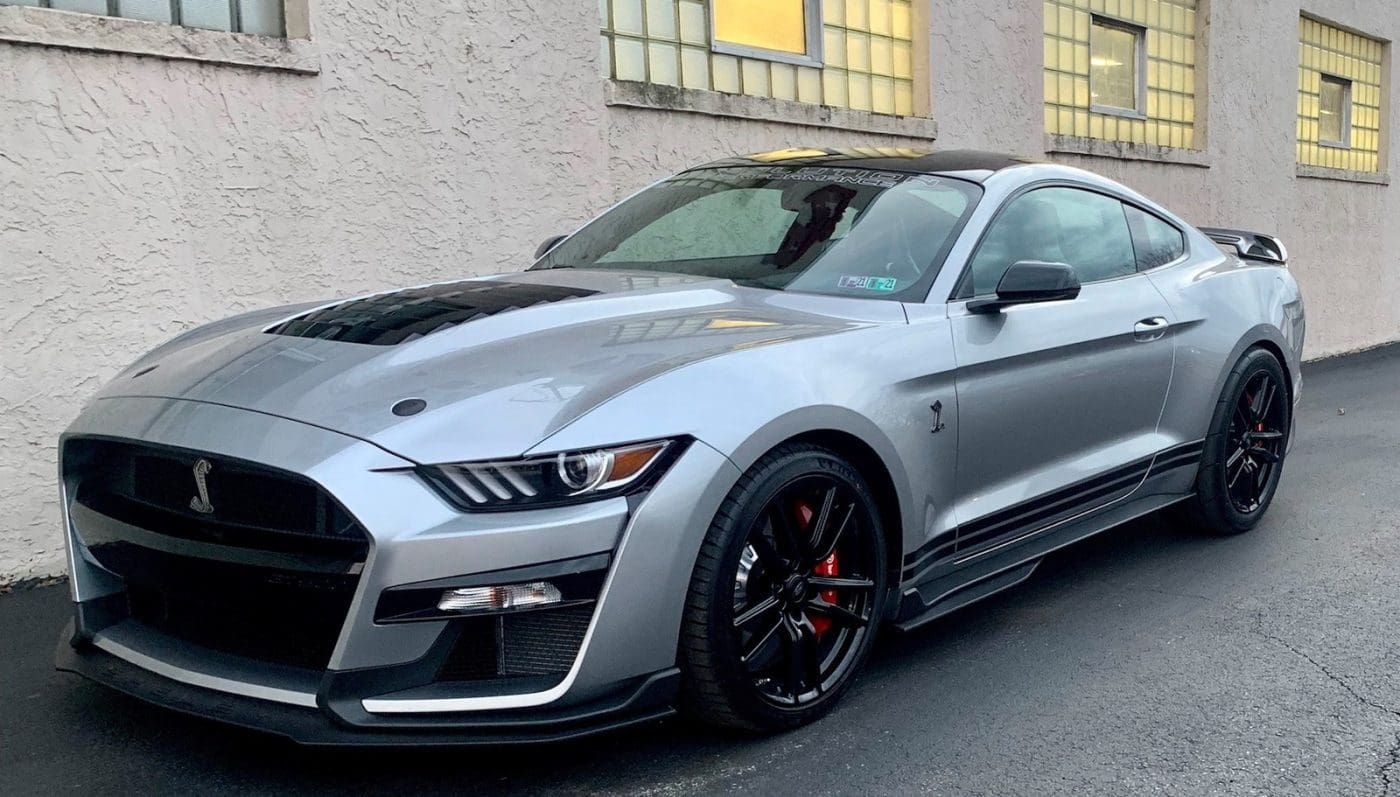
{"points": [[774, 671], [1216, 506]]}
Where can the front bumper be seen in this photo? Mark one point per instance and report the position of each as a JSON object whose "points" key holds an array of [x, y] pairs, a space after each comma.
{"points": [[640, 700], [379, 685]]}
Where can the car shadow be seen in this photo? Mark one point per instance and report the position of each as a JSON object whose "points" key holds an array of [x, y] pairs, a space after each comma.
{"points": [[949, 647]]}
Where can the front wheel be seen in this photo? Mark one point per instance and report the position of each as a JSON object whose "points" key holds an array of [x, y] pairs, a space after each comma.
{"points": [[786, 594], [1243, 457]]}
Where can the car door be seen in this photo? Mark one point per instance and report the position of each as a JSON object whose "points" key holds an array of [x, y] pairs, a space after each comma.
{"points": [[1058, 402]]}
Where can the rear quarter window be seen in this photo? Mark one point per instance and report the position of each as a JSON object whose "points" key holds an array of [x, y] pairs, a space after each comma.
{"points": [[1155, 242]]}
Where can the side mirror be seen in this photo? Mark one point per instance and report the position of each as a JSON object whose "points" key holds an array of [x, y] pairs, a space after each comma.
{"points": [[548, 245], [1028, 282]]}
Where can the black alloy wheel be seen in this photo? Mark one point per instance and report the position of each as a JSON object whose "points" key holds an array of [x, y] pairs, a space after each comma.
{"points": [[1243, 456], [1256, 440], [787, 593]]}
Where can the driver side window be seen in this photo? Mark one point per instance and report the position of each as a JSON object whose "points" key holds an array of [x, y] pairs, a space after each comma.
{"points": [[1083, 229]]}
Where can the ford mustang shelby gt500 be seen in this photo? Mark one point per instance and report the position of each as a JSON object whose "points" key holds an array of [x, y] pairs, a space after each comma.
{"points": [[694, 457]]}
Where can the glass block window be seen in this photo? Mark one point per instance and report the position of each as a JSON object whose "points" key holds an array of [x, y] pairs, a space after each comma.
{"points": [[262, 17], [1339, 97], [863, 59], [1121, 70]]}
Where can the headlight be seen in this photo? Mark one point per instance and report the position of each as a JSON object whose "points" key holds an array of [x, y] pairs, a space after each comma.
{"points": [[554, 479]]}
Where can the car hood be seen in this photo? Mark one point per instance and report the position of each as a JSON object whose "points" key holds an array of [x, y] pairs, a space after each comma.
{"points": [[500, 362]]}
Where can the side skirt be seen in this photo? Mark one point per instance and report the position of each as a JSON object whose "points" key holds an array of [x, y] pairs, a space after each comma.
{"points": [[955, 579]]}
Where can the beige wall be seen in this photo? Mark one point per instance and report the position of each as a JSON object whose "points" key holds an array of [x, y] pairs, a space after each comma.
{"points": [[140, 196]]}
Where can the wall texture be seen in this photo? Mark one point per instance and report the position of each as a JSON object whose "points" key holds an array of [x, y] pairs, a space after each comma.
{"points": [[141, 196]]}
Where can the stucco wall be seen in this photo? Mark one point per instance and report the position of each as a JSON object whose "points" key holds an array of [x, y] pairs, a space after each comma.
{"points": [[141, 196]]}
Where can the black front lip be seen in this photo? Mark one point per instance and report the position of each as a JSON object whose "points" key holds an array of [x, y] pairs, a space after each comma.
{"points": [[641, 700]]}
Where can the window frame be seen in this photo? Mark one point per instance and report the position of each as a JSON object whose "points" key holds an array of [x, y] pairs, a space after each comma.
{"points": [[1347, 85], [1139, 32], [176, 17], [963, 282], [812, 21]]}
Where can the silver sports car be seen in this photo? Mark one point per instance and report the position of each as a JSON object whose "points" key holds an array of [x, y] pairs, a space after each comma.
{"points": [[694, 458]]}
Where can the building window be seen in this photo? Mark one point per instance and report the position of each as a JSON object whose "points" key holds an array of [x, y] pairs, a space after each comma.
{"points": [[1334, 112], [857, 54], [1115, 68], [1339, 98], [1121, 70], [262, 17], [779, 30]]}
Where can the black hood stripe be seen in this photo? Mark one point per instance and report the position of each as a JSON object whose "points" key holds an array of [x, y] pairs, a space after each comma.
{"points": [[392, 318]]}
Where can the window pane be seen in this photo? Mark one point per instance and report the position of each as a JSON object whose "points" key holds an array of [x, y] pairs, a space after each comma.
{"points": [[1155, 241], [83, 6], [1332, 110], [149, 10], [212, 14], [766, 24], [263, 17], [1056, 225], [1113, 62]]}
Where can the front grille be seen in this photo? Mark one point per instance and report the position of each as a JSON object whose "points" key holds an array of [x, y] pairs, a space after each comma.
{"points": [[283, 599], [543, 642], [250, 505]]}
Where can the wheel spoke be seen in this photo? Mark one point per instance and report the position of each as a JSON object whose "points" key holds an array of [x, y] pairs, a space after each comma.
{"points": [[1231, 478], [793, 636], [767, 555], [1263, 454], [785, 532], [811, 657], [826, 548], [1263, 400], [1235, 457], [819, 523], [1266, 435], [762, 644], [756, 611], [839, 614], [836, 582]]}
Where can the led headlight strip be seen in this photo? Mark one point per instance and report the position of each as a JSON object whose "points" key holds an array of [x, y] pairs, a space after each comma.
{"points": [[553, 479]]}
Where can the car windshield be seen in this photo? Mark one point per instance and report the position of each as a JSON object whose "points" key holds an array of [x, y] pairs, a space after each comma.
{"points": [[852, 232]]}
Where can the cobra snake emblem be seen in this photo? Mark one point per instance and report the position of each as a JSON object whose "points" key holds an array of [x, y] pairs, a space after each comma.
{"points": [[200, 503]]}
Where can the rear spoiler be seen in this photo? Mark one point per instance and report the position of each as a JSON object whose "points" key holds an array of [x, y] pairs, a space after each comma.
{"points": [[1250, 245]]}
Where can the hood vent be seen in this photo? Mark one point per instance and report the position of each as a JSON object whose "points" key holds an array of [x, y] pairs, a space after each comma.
{"points": [[388, 319]]}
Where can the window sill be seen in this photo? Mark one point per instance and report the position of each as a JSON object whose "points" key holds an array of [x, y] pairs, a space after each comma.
{"points": [[630, 94], [46, 27], [1123, 150], [1343, 175]]}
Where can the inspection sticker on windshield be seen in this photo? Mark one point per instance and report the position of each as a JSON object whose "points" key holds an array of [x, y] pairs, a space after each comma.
{"points": [[882, 284]]}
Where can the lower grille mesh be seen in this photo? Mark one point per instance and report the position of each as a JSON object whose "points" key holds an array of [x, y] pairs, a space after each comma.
{"points": [[535, 643]]}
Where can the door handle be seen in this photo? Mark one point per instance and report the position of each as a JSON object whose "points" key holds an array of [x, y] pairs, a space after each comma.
{"points": [[1150, 328]]}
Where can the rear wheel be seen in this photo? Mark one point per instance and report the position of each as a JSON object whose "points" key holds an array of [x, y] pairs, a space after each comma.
{"points": [[785, 597], [1243, 457]]}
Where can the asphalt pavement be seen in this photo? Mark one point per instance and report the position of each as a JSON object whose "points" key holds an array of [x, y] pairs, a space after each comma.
{"points": [[1150, 660]]}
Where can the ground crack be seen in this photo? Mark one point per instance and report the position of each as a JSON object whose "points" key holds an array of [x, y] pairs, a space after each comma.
{"points": [[1386, 772]]}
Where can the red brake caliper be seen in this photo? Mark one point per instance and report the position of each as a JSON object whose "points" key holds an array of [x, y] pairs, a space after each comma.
{"points": [[826, 567]]}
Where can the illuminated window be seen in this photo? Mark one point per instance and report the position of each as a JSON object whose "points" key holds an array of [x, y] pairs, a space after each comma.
{"points": [[262, 17], [1339, 97], [1115, 51], [857, 54], [786, 30], [1121, 70]]}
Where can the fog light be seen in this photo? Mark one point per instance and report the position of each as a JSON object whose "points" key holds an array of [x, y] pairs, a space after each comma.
{"points": [[510, 596]]}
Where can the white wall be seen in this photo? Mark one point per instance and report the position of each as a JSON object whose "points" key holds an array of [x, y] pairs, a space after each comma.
{"points": [[141, 196]]}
